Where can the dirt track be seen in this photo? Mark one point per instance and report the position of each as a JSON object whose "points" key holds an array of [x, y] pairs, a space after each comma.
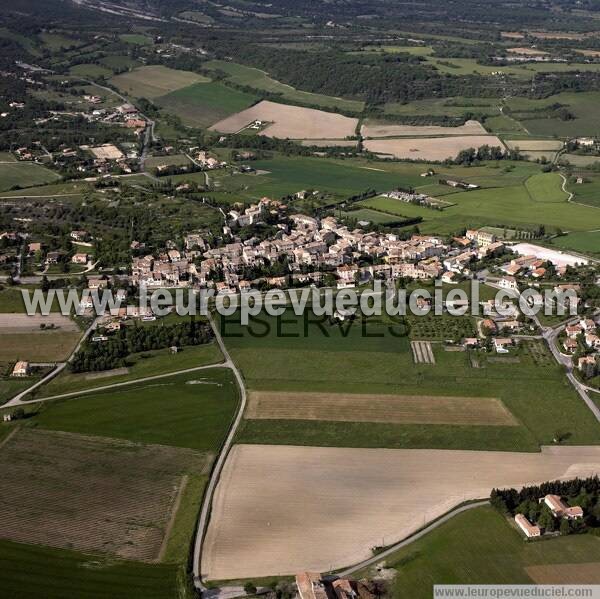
{"points": [[282, 510], [401, 409]]}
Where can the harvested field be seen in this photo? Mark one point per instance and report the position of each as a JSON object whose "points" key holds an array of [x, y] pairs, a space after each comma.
{"points": [[22, 323], [275, 497], [557, 35], [400, 409], [534, 145], [514, 35], [565, 573], [291, 122], [527, 51], [592, 53], [154, 81], [90, 494], [42, 346], [429, 148], [328, 143], [374, 129], [422, 352]]}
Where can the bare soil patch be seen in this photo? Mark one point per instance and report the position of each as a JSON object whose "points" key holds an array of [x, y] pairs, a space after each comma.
{"points": [[429, 148], [90, 493], [404, 409], [565, 573], [374, 129], [22, 323], [291, 122], [592, 53], [282, 509], [527, 51]]}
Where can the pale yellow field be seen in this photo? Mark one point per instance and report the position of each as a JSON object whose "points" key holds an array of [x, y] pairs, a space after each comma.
{"points": [[429, 148], [282, 509], [527, 51], [534, 145], [374, 129], [23, 323], [565, 573], [328, 143], [592, 53], [378, 408], [291, 122]]}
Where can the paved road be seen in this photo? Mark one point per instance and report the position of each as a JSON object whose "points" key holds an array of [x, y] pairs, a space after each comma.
{"points": [[414, 537], [18, 399], [218, 467]]}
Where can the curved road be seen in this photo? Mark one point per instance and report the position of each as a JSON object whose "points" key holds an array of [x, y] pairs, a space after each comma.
{"points": [[218, 467]]}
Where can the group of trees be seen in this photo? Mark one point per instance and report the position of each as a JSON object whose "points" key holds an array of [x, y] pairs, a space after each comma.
{"points": [[95, 356], [581, 492]]}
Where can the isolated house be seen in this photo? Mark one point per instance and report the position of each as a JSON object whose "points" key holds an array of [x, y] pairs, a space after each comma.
{"points": [[21, 368], [560, 509]]}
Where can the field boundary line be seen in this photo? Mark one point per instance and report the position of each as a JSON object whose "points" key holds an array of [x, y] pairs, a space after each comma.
{"points": [[412, 538], [171, 523]]}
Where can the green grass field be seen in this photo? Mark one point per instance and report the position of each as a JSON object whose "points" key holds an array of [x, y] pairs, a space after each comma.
{"points": [[136, 38], [25, 569], [10, 387], [335, 360], [203, 104], [45, 346], [92, 71], [587, 193], [150, 363], [153, 81], [24, 174], [188, 410], [117, 61], [523, 205], [480, 547], [587, 242], [243, 75]]}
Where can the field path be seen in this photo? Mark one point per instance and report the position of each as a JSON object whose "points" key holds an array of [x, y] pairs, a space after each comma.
{"points": [[171, 524]]}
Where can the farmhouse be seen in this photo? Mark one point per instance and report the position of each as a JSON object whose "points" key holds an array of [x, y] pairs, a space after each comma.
{"points": [[587, 366], [21, 368], [529, 529], [560, 510], [310, 586], [501, 344], [79, 259]]}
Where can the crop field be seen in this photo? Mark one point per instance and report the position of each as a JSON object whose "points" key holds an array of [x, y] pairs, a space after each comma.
{"points": [[588, 193], [586, 573], [340, 407], [302, 492], [371, 216], [203, 104], [453, 107], [148, 363], [23, 323], [581, 105], [42, 346], [429, 148], [243, 75], [291, 122], [311, 356], [154, 81], [24, 174], [510, 206], [119, 503], [546, 187], [136, 38], [534, 145], [374, 129], [457, 553], [10, 387], [585, 242], [92, 71], [118, 61], [59, 572], [174, 159], [328, 143], [191, 410]]}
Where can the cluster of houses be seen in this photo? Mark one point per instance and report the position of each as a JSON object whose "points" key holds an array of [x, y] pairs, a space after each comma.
{"points": [[311, 585], [583, 335], [559, 510]]}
